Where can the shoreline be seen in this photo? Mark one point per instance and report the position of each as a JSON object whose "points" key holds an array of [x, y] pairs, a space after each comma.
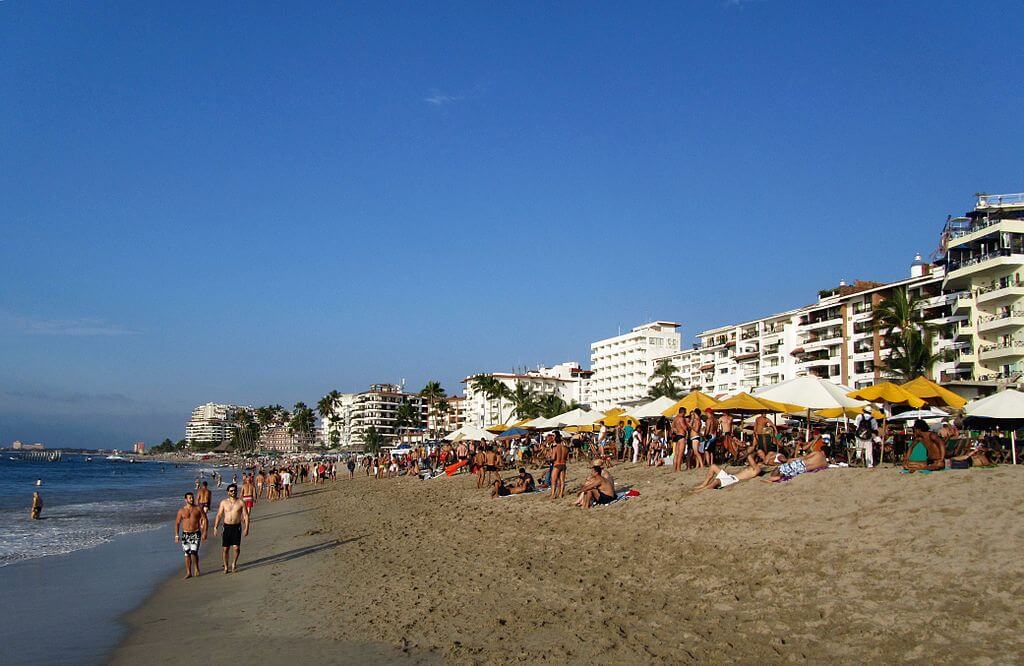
{"points": [[847, 565]]}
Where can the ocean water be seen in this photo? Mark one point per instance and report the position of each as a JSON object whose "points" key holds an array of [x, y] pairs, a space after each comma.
{"points": [[85, 503], [106, 539]]}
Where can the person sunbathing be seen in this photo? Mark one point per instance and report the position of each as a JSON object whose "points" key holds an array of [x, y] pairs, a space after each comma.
{"points": [[498, 489], [766, 458], [597, 489], [927, 451], [719, 478], [976, 456], [809, 463], [524, 483]]}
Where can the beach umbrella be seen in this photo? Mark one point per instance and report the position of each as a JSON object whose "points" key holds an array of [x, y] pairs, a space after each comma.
{"points": [[811, 393], [691, 401], [514, 432], [618, 419], [841, 413], [744, 402], [1005, 408], [930, 413], [888, 393], [469, 432], [933, 394], [652, 409]]}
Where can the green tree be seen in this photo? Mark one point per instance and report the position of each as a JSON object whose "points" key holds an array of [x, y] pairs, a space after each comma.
{"points": [[908, 336], [524, 401], [325, 407], [550, 405], [492, 389], [665, 377], [247, 431], [407, 416], [372, 441], [302, 420], [433, 392]]}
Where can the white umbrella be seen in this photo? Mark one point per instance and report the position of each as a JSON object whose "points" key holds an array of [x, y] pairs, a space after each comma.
{"points": [[925, 414], [810, 392], [1006, 405], [469, 432], [573, 417], [652, 409]]}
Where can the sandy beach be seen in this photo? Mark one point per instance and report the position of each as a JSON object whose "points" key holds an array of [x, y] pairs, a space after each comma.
{"points": [[848, 565]]}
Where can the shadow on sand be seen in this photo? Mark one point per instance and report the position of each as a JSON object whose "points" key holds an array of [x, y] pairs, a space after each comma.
{"points": [[297, 553]]}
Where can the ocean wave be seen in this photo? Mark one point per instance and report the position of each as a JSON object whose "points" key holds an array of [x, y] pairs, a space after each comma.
{"points": [[67, 528]]}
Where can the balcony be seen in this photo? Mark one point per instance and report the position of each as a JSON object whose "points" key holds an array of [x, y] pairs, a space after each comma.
{"points": [[815, 324], [964, 330], [1001, 293], [1002, 350], [963, 302], [983, 264], [1012, 319]]}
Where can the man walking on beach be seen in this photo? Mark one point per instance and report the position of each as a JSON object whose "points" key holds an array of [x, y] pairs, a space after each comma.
{"points": [[204, 498], [189, 529], [235, 517], [679, 430]]}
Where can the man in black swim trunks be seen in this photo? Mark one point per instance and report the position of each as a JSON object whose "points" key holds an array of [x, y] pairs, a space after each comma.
{"points": [[232, 512], [598, 488]]}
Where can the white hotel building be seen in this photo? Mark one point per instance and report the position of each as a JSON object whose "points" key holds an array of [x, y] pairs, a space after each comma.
{"points": [[211, 422], [567, 380], [623, 365]]}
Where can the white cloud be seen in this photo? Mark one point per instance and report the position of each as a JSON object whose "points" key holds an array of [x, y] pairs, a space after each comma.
{"points": [[82, 326]]}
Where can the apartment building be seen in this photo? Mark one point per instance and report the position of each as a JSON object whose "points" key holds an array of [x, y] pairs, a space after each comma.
{"points": [[211, 422], [378, 407], [278, 438], [985, 265], [566, 380], [339, 422], [440, 423], [622, 365]]}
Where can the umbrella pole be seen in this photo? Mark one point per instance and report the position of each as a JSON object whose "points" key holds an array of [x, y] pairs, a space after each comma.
{"points": [[1013, 445], [808, 424]]}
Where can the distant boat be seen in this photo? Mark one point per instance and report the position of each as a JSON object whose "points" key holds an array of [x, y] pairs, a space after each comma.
{"points": [[116, 458]]}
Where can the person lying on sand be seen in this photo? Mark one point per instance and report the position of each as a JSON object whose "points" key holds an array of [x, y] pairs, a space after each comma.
{"points": [[719, 478], [766, 459], [524, 483], [976, 456], [498, 489], [597, 489], [812, 461]]}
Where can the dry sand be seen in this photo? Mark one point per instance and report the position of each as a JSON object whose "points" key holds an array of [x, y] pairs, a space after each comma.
{"points": [[847, 565]]}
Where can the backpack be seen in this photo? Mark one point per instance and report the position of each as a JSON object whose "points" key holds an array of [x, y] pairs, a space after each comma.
{"points": [[865, 428]]}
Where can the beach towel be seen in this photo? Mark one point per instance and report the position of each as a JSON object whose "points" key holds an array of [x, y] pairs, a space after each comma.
{"points": [[620, 496], [532, 492]]}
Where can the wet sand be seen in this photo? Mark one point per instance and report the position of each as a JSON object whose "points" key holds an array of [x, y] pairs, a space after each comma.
{"points": [[847, 565]]}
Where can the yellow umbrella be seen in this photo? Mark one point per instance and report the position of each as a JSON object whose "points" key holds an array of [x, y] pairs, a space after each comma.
{"points": [[617, 419], [744, 402], [933, 394], [887, 392], [850, 412], [694, 400], [502, 427]]}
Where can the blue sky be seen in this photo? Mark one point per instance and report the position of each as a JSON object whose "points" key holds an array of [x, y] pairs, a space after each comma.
{"points": [[261, 202]]}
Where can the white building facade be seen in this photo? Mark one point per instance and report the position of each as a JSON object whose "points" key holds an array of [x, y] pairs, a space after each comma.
{"points": [[212, 422], [567, 381], [623, 365]]}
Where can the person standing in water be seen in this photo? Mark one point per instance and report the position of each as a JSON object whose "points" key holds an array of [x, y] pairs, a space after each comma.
{"points": [[37, 506], [234, 515], [190, 527]]}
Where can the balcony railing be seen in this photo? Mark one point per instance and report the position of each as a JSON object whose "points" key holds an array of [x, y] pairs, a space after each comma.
{"points": [[997, 200], [1002, 252], [997, 287], [1002, 315], [1010, 344]]}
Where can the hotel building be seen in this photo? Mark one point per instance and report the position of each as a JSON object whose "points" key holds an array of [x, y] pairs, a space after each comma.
{"points": [[566, 380], [211, 422], [623, 364], [985, 267], [378, 407]]}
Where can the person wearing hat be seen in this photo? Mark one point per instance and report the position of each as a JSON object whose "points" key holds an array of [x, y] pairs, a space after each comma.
{"points": [[865, 430], [598, 488]]}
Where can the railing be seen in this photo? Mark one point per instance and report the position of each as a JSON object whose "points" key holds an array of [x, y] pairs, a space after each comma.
{"points": [[997, 287], [1002, 252], [996, 200], [1011, 344], [983, 319]]}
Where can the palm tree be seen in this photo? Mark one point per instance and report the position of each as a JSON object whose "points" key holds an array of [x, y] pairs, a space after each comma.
{"points": [[441, 408], [523, 400], [550, 405], [325, 407], [406, 417], [664, 378], [432, 392], [302, 421], [909, 337], [372, 440], [492, 390]]}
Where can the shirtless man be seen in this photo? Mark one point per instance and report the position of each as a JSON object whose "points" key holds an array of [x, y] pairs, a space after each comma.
{"points": [[232, 512], [37, 506], [559, 458], [694, 426], [763, 429], [260, 482], [462, 451], [524, 483], [498, 489], [204, 498], [478, 467], [492, 463], [719, 478], [248, 492], [189, 529], [679, 436], [812, 461], [712, 430], [597, 489]]}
